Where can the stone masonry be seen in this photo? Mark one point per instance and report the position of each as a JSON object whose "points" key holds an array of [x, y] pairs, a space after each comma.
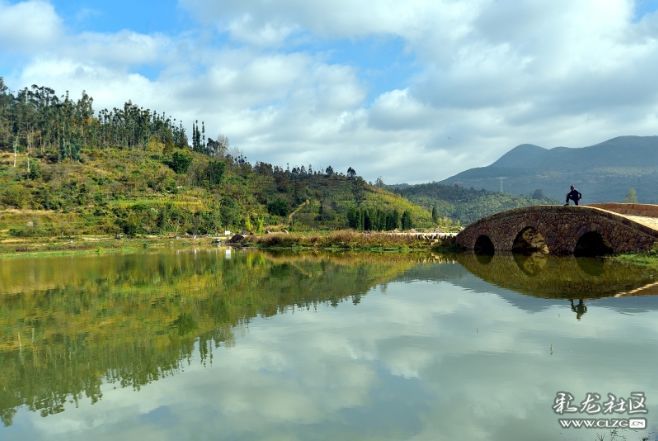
{"points": [[623, 227]]}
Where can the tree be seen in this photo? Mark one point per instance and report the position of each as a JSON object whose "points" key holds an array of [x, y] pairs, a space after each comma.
{"points": [[215, 172], [435, 214], [36, 118], [329, 171], [230, 212], [247, 223], [180, 162], [260, 225], [351, 173], [367, 220], [381, 220], [380, 182], [218, 148], [538, 194], [631, 196], [396, 220], [353, 218], [278, 207], [407, 223], [359, 191], [198, 145]]}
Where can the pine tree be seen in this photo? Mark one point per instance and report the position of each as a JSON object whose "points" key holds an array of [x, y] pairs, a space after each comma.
{"points": [[202, 147]]}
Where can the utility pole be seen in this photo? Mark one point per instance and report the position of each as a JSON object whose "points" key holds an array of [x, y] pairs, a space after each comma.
{"points": [[501, 179]]}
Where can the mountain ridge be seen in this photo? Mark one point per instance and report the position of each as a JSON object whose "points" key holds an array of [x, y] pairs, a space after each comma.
{"points": [[602, 172]]}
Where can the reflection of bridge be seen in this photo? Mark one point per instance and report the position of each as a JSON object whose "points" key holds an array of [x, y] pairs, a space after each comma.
{"points": [[587, 230], [539, 275]]}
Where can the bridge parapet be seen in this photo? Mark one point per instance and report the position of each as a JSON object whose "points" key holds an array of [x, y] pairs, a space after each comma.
{"points": [[562, 230]]}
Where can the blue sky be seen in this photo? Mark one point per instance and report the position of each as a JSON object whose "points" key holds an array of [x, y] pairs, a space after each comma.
{"points": [[644, 7], [410, 91], [381, 60], [111, 16]]}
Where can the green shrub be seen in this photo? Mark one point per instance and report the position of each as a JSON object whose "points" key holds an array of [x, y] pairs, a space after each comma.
{"points": [[215, 172], [180, 162], [278, 207]]}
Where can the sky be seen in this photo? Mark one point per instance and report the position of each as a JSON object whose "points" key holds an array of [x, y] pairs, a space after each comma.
{"points": [[410, 91]]}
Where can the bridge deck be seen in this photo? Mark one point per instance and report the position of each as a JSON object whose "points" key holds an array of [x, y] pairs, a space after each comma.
{"points": [[650, 222], [643, 214]]}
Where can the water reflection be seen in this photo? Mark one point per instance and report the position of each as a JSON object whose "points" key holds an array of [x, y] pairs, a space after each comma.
{"points": [[542, 275], [328, 352], [531, 264], [579, 309], [71, 324]]}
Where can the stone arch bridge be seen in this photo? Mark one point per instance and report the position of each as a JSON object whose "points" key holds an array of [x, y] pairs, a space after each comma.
{"points": [[590, 230]]}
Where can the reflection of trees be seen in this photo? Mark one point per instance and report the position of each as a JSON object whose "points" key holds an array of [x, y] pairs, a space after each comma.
{"points": [[71, 324], [558, 277]]}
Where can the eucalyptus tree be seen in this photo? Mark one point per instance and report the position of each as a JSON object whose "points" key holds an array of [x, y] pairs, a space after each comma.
{"points": [[36, 121]]}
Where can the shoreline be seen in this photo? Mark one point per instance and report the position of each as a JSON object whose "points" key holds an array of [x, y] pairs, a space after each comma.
{"points": [[347, 240], [327, 241], [332, 241], [91, 245]]}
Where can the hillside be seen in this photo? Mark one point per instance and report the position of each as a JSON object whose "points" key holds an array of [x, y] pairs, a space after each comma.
{"points": [[135, 192], [602, 172], [66, 169], [464, 204]]}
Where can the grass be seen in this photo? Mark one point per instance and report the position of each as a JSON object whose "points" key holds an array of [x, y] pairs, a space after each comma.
{"points": [[92, 245], [648, 259], [342, 240], [345, 240]]}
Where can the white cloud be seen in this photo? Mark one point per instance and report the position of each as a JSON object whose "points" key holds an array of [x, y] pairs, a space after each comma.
{"points": [[488, 75], [339, 18], [269, 34], [109, 87], [121, 48], [492, 74], [28, 26]]}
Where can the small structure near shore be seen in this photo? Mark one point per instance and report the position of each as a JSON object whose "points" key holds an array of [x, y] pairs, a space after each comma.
{"points": [[236, 239]]}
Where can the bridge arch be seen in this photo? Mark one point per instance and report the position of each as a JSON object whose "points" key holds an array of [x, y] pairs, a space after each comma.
{"points": [[565, 230], [592, 244], [484, 246], [529, 241]]}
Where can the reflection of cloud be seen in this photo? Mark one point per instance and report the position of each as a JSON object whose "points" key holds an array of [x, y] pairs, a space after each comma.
{"points": [[426, 361]]}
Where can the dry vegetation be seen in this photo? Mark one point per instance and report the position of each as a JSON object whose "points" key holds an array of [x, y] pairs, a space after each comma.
{"points": [[348, 240]]}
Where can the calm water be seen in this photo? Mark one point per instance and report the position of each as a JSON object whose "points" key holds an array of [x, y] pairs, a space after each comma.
{"points": [[206, 346]]}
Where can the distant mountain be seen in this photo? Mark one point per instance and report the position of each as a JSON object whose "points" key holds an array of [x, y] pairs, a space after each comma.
{"points": [[602, 172], [465, 204]]}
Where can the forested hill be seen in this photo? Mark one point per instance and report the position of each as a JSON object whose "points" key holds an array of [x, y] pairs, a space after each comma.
{"points": [[602, 172], [65, 169], [464, 204]]}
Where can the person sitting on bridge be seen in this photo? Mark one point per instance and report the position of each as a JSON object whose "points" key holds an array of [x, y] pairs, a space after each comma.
{"points": [[573, 195]]}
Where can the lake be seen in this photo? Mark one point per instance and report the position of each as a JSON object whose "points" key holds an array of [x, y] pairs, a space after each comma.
{"points": [[243, 345]]}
